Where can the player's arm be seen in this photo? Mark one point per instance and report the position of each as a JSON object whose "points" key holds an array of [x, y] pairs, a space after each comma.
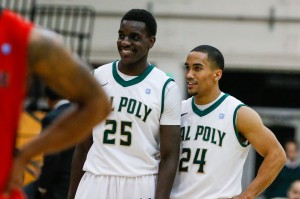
{"points": [[169, 143], [265, 143], [70, 77], [79, 158], [169, 151], [61, 71]]}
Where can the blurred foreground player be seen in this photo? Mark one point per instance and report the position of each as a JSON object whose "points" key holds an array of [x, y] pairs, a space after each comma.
{"points": [[29, 51]]}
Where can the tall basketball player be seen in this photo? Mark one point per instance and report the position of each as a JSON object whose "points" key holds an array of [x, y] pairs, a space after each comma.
{"points": [[27, 51], [134, 153], [216, 130]]}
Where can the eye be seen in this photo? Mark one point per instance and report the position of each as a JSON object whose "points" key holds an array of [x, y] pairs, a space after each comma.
{"points": [[197, 68], [134, 37], [121, 36], [186, 67]]}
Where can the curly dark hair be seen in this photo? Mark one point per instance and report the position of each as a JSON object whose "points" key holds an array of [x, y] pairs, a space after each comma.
{"points": [[142, 16]]}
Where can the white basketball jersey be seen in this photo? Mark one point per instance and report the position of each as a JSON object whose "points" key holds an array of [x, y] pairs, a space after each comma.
{"points": [[127, 142], [212, 157]]}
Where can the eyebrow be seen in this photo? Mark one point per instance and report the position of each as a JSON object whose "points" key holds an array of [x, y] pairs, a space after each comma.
{"points": [[195, 64], [131, 33]]}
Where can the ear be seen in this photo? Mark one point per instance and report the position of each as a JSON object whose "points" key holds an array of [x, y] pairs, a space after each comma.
{"points": [[218, 74], [152, 40]]}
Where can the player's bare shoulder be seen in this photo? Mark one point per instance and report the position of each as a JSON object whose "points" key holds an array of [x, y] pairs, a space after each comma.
{"points": [[248, 120], [43, 45]]}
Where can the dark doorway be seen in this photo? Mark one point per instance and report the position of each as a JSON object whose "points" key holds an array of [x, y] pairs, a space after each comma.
{"points": [[263, 88]]}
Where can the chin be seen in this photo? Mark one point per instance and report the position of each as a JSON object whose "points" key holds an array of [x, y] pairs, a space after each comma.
{"points": [[192, 93], [126, 61]]}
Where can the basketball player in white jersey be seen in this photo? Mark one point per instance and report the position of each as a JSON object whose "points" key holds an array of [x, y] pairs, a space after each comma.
{"points": [[216, 132], [134, 153]]}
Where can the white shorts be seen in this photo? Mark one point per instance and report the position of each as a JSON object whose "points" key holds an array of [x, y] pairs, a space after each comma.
{"points": [[116, 187]]}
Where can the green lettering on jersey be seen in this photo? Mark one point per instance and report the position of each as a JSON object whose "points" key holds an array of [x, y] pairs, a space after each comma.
{"points": [[123, 103], [199, 131], [213, 141], [134, 107], [147, 112], [209, 134], [201, 162], [185, 135], [221, 137], [137, 114], [206, 135], [187, 156], [111, 103], [131, 106], [111, 129]]}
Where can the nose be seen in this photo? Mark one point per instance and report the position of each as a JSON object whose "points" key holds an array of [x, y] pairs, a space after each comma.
{"points": [[189, 74], [125, 42]]}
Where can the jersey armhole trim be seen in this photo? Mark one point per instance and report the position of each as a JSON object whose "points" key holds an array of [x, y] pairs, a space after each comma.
{"points": [[163, 95], [246, 142]]}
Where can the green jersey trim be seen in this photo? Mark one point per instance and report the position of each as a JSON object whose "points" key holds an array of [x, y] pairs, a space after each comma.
{"points": [[163, 95], [209, 109], [246, 142], [133, 81]]}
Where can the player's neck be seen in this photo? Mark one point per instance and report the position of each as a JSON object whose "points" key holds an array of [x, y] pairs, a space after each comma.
{"points": [[207, 98], [133, 69]]}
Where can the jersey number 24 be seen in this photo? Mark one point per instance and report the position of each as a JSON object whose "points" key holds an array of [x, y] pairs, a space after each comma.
{"points": [[199, 159]]}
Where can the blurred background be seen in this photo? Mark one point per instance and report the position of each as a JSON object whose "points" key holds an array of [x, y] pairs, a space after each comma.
{"points": [[260, 41]]}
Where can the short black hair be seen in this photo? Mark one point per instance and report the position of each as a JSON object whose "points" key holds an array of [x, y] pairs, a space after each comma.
{"points": [[213, 55], [49, 93], [142, 16]]}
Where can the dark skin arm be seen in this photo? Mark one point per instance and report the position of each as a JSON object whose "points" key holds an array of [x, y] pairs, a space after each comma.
{"points": [[79, 158], [169, 151], [50, 61]]}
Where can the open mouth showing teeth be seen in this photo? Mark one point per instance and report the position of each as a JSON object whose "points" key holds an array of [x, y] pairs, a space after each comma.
{"points": [[126, 51]]}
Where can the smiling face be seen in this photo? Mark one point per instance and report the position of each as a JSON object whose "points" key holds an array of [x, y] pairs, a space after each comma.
{"points": [[134, 43], [201, 75]]}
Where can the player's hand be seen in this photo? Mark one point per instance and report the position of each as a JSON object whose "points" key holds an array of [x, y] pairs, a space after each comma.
{"points": [[14, 194], [15, 181]]}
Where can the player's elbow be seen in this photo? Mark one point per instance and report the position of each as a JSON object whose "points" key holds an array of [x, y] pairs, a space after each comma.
{"points": [[280, 157], [283, 159]]}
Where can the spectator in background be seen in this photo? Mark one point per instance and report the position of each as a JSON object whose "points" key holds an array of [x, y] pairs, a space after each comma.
{"points": [[294, 190], [54, 180], [289, 173]]}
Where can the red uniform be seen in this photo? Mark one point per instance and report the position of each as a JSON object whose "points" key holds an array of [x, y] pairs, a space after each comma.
{"points": [[14, 36]]}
